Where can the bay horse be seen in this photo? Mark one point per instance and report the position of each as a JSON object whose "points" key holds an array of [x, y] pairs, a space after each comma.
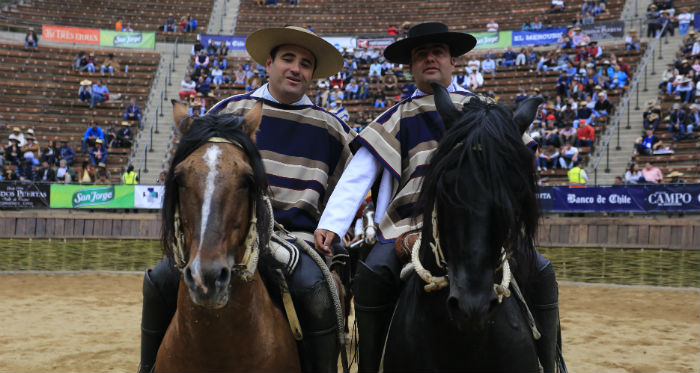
{"points": [[217, 222], [477, 197]]}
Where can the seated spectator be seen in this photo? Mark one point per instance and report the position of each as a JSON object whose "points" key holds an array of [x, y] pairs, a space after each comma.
{"points": [[170, 23], [49, 153], [111, 136], [407, 90], [685, 88], [30, 39], [25, 171], [85, 91], [339, 110], [632, 40], [521, 58], [187, 87], [17, 135], [473, 65], [551, 132], [66, 153], [65, 173], [678, 124], [536, 24], [393, 31], [375, 71], [557, 6], [693, 118], [128, 28], [30, 151], [45, 174], [563, 83], [522, 95], [220, 61], [567, 156], [568, 134], [647, 144], [684, 19], [460, 79], [91, 62], [583, 112], [509, 57], [191, 25], [492, 26], [13, 153], [98, 153], [588, 19], [547, 158], [217, 76], [253, 83], [100, 93], [351, 90], [363, 89], [618, 79], [92, 134], [652, 174], [488, 66], [203, 87], [652, 115], [212, 48], [602, 106], [125, 136], [118, 25], [102, 175], [87, 174], [676, 177], [110, 65], [585, 135], [80, 61], [202, 60], [196, 48], [133, 111], [633, 175]]}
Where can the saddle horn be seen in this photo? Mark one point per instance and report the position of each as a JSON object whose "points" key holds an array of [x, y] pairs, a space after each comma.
{"points": [[526, 112], [443, 103]]}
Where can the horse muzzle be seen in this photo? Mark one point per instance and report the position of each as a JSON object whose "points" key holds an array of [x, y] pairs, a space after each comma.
{"points": [[470, 312], [208, 284]]}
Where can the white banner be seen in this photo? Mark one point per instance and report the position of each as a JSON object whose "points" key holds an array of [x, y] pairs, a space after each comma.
{"points": [[148, 196]]}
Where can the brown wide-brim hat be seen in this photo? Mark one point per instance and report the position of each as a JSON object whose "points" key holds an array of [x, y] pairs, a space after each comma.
{"points": [[328, 60], [429, 32]]}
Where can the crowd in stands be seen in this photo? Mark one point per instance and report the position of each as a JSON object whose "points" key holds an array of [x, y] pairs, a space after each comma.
{"points": [[185, 24]]}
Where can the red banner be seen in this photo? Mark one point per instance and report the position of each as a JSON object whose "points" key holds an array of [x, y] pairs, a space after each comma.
{"points": [[70, 34]]}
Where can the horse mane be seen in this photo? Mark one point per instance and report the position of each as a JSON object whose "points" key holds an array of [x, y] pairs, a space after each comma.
{"points": [[486, 147], [227, 126]]}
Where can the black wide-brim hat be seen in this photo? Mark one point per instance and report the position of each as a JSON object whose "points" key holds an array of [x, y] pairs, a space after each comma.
{"points": [[429, 32]]}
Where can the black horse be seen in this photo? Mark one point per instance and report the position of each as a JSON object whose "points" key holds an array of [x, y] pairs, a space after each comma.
{"points": [[481, 180]]}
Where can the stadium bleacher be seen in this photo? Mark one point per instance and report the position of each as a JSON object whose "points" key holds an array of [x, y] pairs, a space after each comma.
{"points": [[40, 91]]}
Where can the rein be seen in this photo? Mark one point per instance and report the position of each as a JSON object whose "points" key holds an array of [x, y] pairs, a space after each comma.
{"points": [[439, 282], [246, 269]]}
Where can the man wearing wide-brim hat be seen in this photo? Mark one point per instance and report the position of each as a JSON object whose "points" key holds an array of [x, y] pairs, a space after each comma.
{"points": [[305, 149], [17, 135], [392, 150]]}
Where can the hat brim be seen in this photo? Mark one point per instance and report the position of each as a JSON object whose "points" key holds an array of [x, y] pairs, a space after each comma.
{"points": [[458, 42], [328, 60]]}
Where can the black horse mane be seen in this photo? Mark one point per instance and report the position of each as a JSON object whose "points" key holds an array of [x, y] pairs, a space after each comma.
{"points": [[227, 126], [486, 147]]}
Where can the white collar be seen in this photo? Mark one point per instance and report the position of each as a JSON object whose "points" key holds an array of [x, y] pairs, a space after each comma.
{"points": [[450, 88], [264, 93]]}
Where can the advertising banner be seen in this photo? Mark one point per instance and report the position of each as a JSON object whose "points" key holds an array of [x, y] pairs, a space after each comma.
{"points": [[92, 196], [234, 43], [644, 198], [119, 39], [148, 196], [24, 195], [604, 30], [374, 42], [493, 40], [537, 37], [70, 34], [340, 42]]}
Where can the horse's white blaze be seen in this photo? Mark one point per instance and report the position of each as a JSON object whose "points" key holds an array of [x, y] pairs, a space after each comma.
{"points": [[211, 157], [197, 273]]}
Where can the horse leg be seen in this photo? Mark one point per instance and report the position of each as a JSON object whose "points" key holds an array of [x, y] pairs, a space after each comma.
{"points": [[159, 303], [546, 313]]}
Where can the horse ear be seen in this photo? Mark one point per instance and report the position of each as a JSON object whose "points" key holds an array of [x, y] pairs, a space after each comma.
{"points": [[251, 121], [181, 116], [526, 112], [443, 103]]}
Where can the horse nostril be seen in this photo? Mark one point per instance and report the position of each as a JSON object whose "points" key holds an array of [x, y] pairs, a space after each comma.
{"points": [[452, 304], [224, 277], [188, 275]]}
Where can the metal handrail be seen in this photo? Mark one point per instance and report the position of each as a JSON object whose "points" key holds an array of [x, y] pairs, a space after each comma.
{"points": [[153, 125], [641, 68]]}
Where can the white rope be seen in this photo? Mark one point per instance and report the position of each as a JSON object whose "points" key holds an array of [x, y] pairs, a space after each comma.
{"points": [[434, 283]]}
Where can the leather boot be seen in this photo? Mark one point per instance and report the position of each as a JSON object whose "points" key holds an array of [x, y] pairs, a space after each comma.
{"points": [[374, 306], [159, 303], [320, 348], [546, 314]]}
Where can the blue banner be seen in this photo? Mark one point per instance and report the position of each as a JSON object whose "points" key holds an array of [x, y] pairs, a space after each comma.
{"points": [[537, 37], [623, 198], [234, 43]]}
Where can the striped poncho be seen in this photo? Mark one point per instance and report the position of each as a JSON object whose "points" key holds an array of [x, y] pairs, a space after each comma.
{"points": [[402, 139], [304, 149]]}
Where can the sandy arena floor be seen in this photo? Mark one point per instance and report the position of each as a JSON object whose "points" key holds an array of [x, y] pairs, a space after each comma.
{"points": [[90, 323]]}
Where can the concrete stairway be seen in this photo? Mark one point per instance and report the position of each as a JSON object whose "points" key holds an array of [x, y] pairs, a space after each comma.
{"points": [[223, 18], [148, 153], [620, 157]]}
